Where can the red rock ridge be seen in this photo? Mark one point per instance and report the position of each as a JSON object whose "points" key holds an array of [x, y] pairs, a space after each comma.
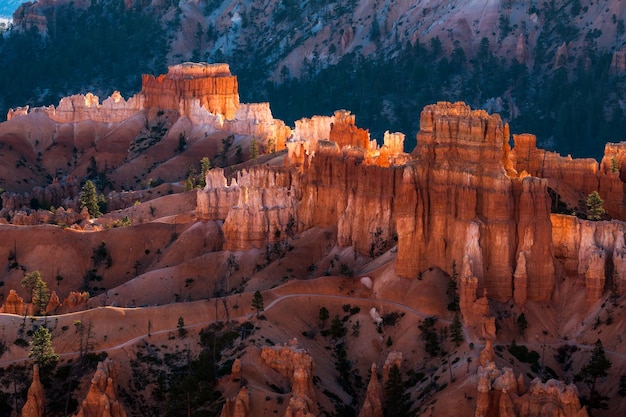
{"points": [[211, 84]]}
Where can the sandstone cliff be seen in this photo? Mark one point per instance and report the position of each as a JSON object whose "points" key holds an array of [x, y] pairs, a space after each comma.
{"points": [[462, 195], [211, 84]]}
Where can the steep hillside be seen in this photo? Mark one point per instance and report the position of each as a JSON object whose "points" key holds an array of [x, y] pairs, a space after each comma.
{"points": [[555, 68]]}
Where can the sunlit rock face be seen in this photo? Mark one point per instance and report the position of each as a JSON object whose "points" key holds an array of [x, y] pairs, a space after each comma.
{"points": [[211, 84]]}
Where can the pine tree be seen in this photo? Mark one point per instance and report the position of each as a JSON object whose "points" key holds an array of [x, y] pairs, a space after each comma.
{"points": [[595, 206], [41, 350], [182, 332], [397, 400], [89, 198], [205, 166], [41, 296], [323, 316], [30, 280], [522, 323], [597, 367], [257, 302], [456, 331]]}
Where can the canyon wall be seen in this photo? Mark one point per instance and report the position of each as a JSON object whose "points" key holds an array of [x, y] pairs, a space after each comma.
{"points": [[461, 196], [457, 199]]}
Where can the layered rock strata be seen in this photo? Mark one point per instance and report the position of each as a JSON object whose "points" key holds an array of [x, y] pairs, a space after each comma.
{"points": [[101, 399], [593, 250], [500, 394], [36, 397], [462, 196], [211, 84], [296, 365]]}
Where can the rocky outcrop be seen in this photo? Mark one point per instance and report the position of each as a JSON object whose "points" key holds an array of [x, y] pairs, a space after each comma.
{"points": [[101, 399], [79, 107], [53, 303], [464, 184], [256, 120], [212, 85], [75, 300], [373, 403], [591, 250], [296, 365], [574, 179], [238, 406], [393, 359], [36, 397], [265, 211], [344, 132], [501, 394], [14, 304]]}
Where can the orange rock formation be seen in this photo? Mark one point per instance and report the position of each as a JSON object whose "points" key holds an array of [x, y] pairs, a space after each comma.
{"points": [[238, 406], [101, 400], [296, 365], [501, 394], [36, 397], [211, 84], [373, 403]]}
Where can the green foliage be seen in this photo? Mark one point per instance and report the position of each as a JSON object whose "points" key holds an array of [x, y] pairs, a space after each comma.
{"points": [[74, 47], [182, 332], [451, 290], [397, 400], [205, 166], [89, 198], [41, 296], [336, 328], [429, 336], [614, 165], [257, 302], [523, 354], [456, 331], [595, 206], [597, 367], [323, 316], [41, 350]]}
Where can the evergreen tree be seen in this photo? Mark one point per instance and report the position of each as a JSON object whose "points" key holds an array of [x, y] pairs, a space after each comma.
{"points": [[182, 332], [89, 199], [41, 350], [595, 206], [397, 400], [522, 324], [323, 316], [597, 367], [257, 302], [41, 296], [205, 166], [30, 280], [456, 331], [336, 328]]}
